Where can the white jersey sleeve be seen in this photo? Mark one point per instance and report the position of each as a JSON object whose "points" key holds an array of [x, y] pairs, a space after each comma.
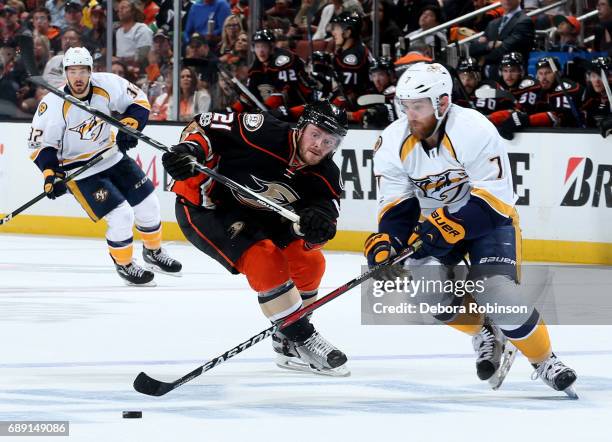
{"points": [[122, 92], [48, 126], [394, 185]]}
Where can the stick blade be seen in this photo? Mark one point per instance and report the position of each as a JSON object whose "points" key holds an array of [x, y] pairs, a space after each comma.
{"points": [[151, 387], [371, 99]]}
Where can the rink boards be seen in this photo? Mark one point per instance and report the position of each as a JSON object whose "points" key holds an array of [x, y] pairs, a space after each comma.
{"points": [[563, 180]]}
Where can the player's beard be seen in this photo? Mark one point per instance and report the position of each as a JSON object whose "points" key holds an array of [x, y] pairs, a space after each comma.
{"points": [[79, 89], [423, 129]]}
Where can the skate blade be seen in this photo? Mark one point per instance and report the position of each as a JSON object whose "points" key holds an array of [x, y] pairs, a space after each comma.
{"points": [[158, 269], [295, 364], [571, 392], [507, 360], [147, 284]]}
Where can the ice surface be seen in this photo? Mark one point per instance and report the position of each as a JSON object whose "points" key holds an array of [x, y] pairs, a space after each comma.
{"points": [[74, 337]]}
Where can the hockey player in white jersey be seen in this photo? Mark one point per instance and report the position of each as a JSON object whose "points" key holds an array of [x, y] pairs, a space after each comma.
{"points": [[444, 179], [64, 137]]}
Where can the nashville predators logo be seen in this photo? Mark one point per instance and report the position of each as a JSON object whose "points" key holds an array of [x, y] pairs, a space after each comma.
{"points": [[280, 193], [101, 195], [89, 129], [42, 107], [448, 186]]}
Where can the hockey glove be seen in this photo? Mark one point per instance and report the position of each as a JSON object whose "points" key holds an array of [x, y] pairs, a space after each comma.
{"points": [[516, 122], [180, 160], [605, 126], [438, 233], [316, 225], [379, 248], [125, 141], [376, 117], [54, 186]]}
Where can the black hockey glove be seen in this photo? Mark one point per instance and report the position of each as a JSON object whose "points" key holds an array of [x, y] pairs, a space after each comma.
{"points": [[376, 117], [516, 122], [379, 248], [125, 141], [317, 225], [179, 160], [54, 186], [605, 126]]}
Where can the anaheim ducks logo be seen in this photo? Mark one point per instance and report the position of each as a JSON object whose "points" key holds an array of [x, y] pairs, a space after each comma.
{"points": [[280, 193], [448, 186], [89, 129]]}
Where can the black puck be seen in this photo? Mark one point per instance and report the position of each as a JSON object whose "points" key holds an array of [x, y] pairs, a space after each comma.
{"points": [[132, 414]]}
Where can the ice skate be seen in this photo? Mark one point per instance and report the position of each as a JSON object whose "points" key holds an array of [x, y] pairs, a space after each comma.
{"points": [[556, 375], [315, 355], [495, 355], [159, 261], [135, 275]]}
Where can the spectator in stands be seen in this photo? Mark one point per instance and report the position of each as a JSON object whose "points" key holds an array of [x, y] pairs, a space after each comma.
{"points": [[513, 32], [202, 13], [193, 100], [165, 17], [120, 68], [310, 10], [389, 30], [480, 22], [26, 94], [566, 39], [603, 31], [56, 8], [232, 27], [239, 52], [430, 16], [12, 26], [222, 93], [41, 19], [150, 12], [202, 59], [133, 37], [407, 13], [159, 58], [8, 93], [160, 106], [282, 8], [53, 72], [73, 14], [95, 37]]}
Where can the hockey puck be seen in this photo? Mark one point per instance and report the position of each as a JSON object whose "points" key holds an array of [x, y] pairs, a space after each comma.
{"points": [[132, 414]]}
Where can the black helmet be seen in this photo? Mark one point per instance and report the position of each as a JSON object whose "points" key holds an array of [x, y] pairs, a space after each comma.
{"points": [[322, 57], [512, 59], [599, 63], [543, 63], [326, 116], [468, 64], [382, 64], [265, 36], [350, 21]]}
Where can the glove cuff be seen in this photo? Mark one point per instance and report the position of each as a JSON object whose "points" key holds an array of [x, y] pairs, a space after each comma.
{"points": [[450, 227]]}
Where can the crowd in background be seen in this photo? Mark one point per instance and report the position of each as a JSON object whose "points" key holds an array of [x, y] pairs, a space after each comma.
{"points": [[304, 50]]}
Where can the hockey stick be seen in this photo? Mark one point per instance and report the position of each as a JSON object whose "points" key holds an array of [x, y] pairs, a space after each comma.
{"points": [[147, 385], [604, 79], [569, 99], [70, 177], [242, 88], [371, 99], [271, 205]]}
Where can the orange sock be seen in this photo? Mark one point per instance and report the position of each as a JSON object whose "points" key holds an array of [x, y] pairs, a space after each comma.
{"points": [[536, 346], [151, 237], [469, 323]]}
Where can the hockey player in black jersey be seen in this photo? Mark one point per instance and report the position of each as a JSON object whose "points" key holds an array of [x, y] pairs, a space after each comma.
{"points": [[382, 74], [282, 262], [277, 77], [352, 57], [595, 101]]}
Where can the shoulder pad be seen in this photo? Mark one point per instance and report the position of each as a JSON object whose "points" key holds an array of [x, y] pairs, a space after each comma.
{"points": [[526, 82], [252, 122], [282, 60], [350, 59]]}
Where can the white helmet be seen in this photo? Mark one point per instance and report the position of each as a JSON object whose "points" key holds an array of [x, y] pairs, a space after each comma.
{"points": [[77, 57], [425, 80]]}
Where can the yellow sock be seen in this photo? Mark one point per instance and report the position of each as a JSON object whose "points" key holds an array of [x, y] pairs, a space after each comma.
{"points": [[536, 346], [469, 323], [122, 255], [152, 239]]}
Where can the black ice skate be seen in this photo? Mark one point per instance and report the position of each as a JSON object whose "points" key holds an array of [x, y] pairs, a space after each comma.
{"points": [[495, 355], [159, 261], [556, 375], [314, 355], [135, 275]]}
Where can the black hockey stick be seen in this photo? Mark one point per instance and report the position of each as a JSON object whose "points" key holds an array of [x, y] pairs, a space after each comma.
{"points": [[271, 205], [70, 177], [147, 385], [242, 89]]}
